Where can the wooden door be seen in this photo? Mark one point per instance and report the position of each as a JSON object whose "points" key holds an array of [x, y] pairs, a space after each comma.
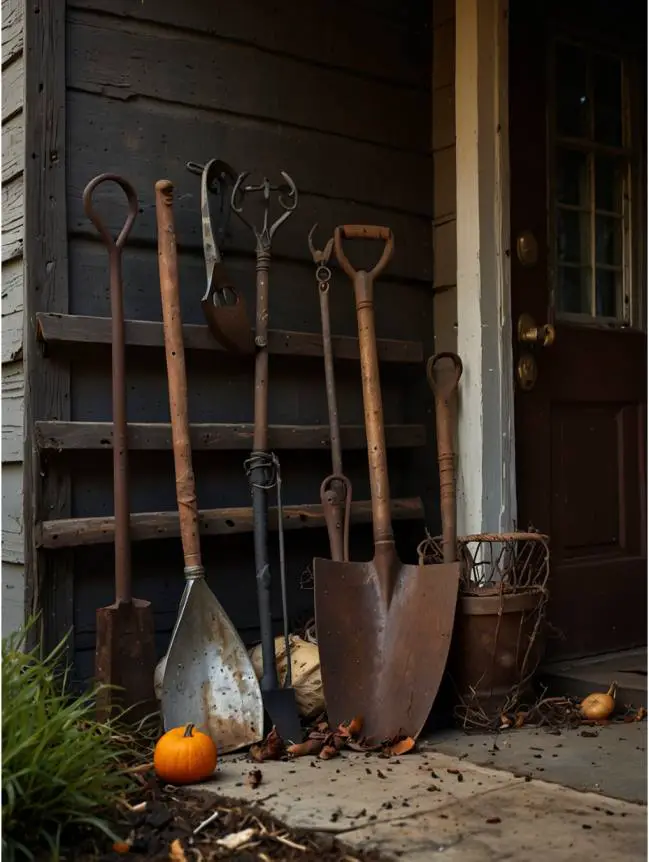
{"points": [[577, 144]]}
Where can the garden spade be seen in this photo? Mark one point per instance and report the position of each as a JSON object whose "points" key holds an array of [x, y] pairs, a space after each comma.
{"points": [[208, 677], [383, 627], [125, 645]]}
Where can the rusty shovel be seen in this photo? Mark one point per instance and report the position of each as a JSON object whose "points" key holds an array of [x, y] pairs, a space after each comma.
{"points": [[384, 627], [125, 647]]}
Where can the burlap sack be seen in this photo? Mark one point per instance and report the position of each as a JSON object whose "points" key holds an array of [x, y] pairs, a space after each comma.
{"points": [[305, 667]]}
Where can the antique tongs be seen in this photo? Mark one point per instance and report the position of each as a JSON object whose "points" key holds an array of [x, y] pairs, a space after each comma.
{"points": [[223, 305], [336, 489]]}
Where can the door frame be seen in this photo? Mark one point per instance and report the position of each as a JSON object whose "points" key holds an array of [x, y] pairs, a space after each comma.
{"points": [[486, 498]]}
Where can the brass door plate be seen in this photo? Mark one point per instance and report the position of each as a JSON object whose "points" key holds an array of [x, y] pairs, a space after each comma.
{"points": [[526, 372]]}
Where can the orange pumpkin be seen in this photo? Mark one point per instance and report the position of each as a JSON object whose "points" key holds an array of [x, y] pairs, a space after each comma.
{"points": [[184, 755]]}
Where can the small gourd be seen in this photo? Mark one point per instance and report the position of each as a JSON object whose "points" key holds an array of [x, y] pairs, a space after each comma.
{"points": [[184, 755], [599, 706]]}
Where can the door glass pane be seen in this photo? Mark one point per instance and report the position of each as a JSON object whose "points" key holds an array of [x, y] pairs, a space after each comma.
{"points": [[572, 177], [573, 290], [608, 184], [573, 236], [607, 75], [573, 105], [607, 286], [608, 240]]}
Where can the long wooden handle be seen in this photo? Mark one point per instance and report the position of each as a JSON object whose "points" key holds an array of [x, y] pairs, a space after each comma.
{"points": [[176, 374]]}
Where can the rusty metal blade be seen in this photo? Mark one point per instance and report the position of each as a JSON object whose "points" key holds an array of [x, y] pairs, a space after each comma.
{"points": [[209, 679], [383, 660], [125, 657], [226, 313]]}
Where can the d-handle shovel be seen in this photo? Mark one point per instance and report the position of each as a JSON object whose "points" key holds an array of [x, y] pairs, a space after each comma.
{"points": [[125, 647]]}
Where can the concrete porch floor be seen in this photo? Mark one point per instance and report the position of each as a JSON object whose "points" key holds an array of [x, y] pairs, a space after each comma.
{"points": [[431, 802]]}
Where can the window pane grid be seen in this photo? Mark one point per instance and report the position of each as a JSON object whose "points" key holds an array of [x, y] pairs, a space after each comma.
{"points": [[591, 162]]}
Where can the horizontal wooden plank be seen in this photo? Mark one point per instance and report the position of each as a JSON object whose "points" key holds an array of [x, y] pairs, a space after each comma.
{"points": [[63, 436], [12, 29], [13, 147], [321, 164], [13, 538], [309, 31], [75, 532], [80, 329], [13, 217], [13, 408], [125, 59], [13, 87], [12, 309]]}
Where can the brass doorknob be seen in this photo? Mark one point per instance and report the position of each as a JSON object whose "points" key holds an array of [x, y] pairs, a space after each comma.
{"points": [[530, 333]]}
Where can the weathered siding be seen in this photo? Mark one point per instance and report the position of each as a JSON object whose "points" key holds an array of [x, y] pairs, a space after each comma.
{"points": [[13, 552], [345, 110], [444, 238]]}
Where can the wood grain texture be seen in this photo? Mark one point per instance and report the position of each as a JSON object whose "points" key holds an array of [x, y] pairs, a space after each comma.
{"points": [[13, 400], [12, 310], [109, 57], [49, 583], [13, 147], [13, 216], [60, 436], [12, 30], [77, 532], [79, 329], [304, 33], [13, 83], [13, 547]]}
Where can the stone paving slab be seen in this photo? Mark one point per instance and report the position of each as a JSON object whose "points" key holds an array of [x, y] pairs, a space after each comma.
{"points": [[476, 814]]}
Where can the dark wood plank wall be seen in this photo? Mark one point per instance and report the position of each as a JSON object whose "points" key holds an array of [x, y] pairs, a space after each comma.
{"points": [[337, 94]]}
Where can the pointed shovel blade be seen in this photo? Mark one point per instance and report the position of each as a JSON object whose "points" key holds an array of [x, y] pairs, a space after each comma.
{"points": [[209, 679], [383, 660]]}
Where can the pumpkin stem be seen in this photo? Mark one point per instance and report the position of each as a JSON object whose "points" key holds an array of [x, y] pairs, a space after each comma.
{"points": [[188, 731], [612, 690]]}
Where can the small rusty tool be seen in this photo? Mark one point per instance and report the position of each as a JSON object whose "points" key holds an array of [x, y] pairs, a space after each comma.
{"points": [[223, 305], [125, 647], [262, 467], [207, 677], [336, 489], [384, 627]]}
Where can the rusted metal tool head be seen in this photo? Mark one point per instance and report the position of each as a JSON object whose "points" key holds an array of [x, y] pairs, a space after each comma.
{"points": [[223, 305]]}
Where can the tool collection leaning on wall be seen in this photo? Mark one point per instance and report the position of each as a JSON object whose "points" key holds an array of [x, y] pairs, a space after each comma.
{"points": [[383, 627]]}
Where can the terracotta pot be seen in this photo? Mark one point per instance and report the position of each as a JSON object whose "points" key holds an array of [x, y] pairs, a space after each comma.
{"points": [[490, 641]]}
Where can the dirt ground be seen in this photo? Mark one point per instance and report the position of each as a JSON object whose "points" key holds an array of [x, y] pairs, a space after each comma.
{"points": [[164, 830]]}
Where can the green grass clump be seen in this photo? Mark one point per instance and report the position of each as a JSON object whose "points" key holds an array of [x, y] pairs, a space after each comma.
{"points": [[61, 770]]}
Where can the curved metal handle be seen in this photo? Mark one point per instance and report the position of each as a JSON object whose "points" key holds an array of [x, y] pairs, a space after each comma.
{"points": [[94, 217], [445, 387], [363, 231]]}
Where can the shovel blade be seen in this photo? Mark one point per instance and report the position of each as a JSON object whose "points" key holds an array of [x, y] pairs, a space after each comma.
{"points": [[209, 679], [281, 706], [125, 656], [228, 323], [383, 657]]}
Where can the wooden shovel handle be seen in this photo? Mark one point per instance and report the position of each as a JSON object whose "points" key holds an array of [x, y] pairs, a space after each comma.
{"points": [[176, 374]]}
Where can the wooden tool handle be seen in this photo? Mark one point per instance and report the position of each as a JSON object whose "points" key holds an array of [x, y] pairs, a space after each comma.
{"points": [[444, 386], [176, 374], [363, 231]]}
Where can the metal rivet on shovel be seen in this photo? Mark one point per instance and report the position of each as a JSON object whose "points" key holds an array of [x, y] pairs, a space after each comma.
{"points": [[223, 305], [208, 677], [336, 489], [125, 650], [383, 627], [262, 467]]}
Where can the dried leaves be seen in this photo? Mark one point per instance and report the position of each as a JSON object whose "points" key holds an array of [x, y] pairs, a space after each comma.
{"points": [[272, 748]]}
